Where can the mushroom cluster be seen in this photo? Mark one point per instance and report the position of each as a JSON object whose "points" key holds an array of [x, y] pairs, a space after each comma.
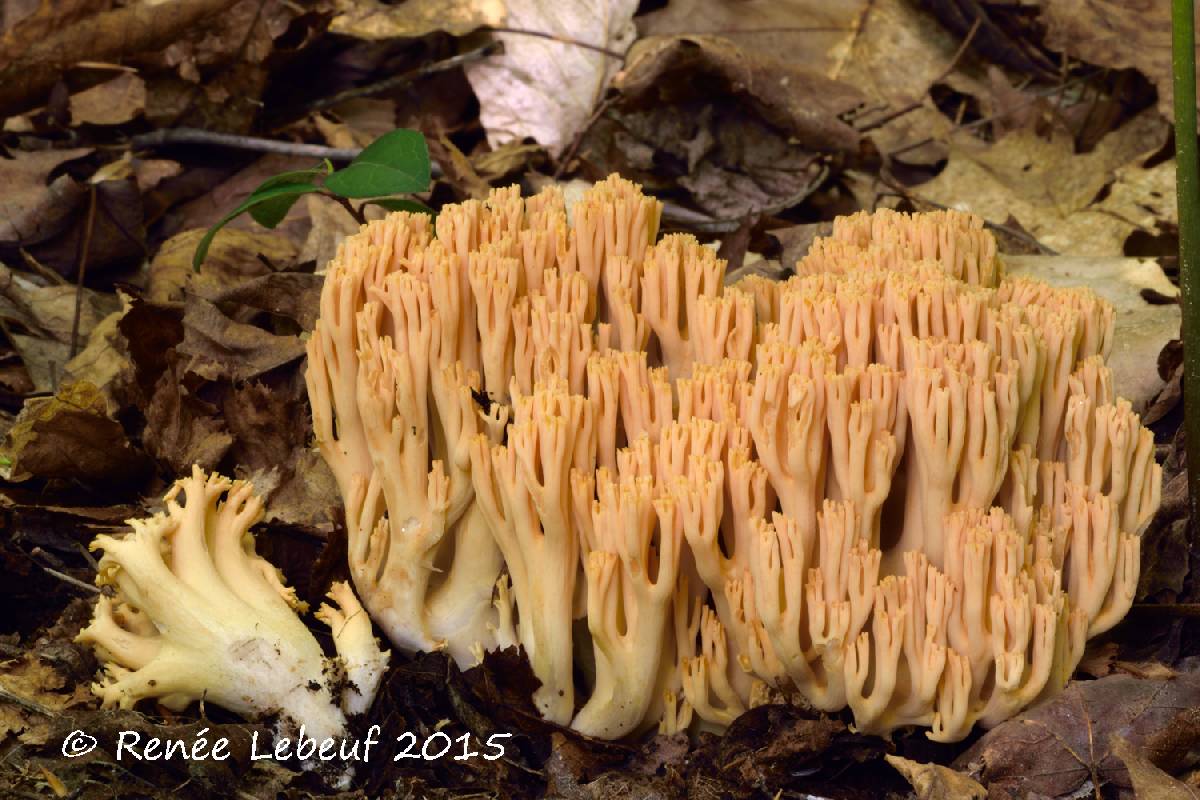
{"points": [[191, 612], [898, 481]]}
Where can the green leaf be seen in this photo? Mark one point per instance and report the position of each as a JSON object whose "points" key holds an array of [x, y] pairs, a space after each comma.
{"points": [[395, 163], [402, 204], [268, 206], [270, 212]]}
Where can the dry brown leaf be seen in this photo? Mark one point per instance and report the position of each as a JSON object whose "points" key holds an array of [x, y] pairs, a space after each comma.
{"points": [[110, 103], [900, 38], [756, 145], [492, 165], [220, 347], [36, 681], [71, 437], [235, 255], [182, 429], [105, 361], [107, 36], [935, 782], [545, 89], [29, 205], [371, 19], [1059, 746], [1115, 33], [811, 34], [1150, 782], [44, 360], [149, 172], [24, 22], [1052, 192], [357, 122], [49, 311]]}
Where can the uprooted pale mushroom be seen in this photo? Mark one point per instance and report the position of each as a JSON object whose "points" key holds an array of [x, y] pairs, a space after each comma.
{"points": [[898, 481], [195, 614]]}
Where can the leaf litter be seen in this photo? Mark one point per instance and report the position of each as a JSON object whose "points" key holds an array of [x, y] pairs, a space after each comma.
{"points": [[120, 366]]}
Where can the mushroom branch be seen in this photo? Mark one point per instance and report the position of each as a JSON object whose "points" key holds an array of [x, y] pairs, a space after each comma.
{"points": [[196, 614], [898, 482]]}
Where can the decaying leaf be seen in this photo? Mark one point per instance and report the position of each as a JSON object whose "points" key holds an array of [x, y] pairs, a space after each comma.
{"points": [[935, 782], [356, 123], [105, 361], [49, 311], [546, 89], [107, 36], [71, 437], [43, 692]]}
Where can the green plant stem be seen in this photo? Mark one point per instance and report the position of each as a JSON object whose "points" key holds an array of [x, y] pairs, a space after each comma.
{"points": [[1188, 188]]}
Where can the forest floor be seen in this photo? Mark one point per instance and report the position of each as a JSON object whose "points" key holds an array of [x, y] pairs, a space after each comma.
{"points": [[130, 128]]}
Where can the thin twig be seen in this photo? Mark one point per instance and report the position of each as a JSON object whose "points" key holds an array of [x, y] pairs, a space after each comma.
{"points": [[355, 213], [941, 76], [604, 105], [173, 136], [42, 269], [87, 556], [85, 245], [24, 702], [65, 578], [554, 37], [397, 81]]}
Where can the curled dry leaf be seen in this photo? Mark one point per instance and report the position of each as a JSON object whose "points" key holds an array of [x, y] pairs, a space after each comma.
{"points": [[220, 347], [1150, 782], [769, 27], [935, 782], [107, 36]]}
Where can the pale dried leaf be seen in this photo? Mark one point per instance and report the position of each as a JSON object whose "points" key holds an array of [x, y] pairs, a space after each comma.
{"points": [[935, 782], [110, 103], [546, 89], [1051, 191], [814, 34], [1150, 782], [370, 19]]}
